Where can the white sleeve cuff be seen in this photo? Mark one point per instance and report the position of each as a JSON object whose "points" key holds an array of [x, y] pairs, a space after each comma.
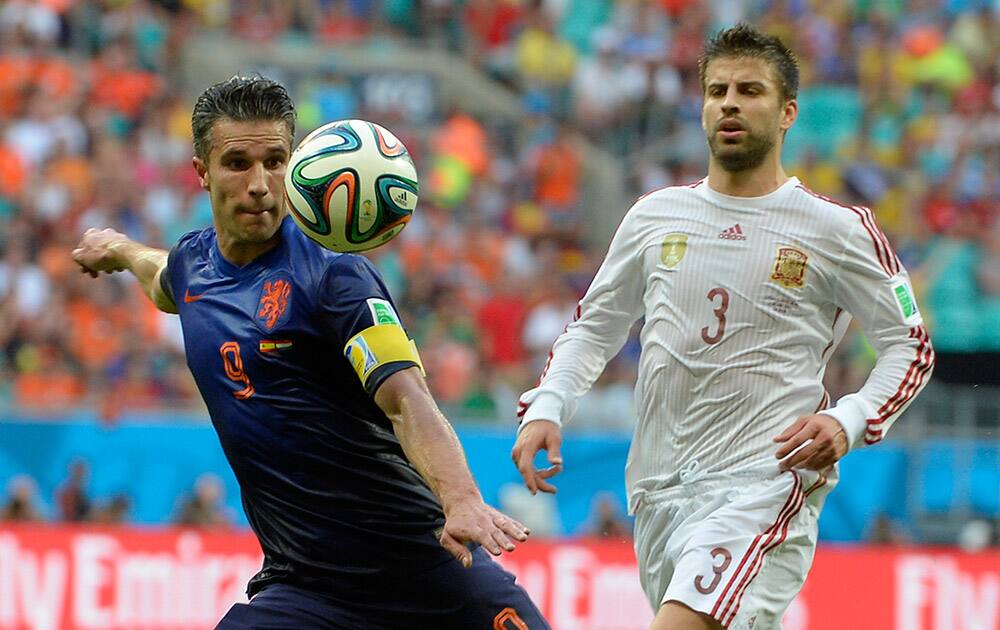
{"points": [[545, 406], [852, 412]]}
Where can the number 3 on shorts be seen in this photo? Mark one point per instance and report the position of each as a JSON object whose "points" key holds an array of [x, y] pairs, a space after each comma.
{"points": [[727, 559]]}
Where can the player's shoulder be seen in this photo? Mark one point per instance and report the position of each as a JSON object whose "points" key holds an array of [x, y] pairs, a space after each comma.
{"points": [[312, 261], [654, 205], [350, 267], [832, 214], [195, 241], [669, 194]]}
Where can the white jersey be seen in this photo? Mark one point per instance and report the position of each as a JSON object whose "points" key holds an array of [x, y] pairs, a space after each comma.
{"points": [[744, 300]]}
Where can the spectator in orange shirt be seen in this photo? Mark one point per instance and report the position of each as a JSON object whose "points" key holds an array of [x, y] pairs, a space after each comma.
{"points": [[117, 84]]}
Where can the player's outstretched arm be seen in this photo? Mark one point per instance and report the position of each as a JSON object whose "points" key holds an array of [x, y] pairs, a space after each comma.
{"points": [[433, 448], [110, 251]]}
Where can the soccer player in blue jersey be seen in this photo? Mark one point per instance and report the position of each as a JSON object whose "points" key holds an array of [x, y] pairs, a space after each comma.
{"points": [[353, 481]]}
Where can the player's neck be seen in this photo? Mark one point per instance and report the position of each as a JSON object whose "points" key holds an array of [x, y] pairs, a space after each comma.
{"points": [[241, 254], [755, 182]]}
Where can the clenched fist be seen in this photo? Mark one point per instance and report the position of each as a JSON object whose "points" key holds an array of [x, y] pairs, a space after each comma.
{"points": [[96, 251]]}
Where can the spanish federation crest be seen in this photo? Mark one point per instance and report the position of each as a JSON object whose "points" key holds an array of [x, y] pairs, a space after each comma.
{"points": [[790, 268], [673, 249]]}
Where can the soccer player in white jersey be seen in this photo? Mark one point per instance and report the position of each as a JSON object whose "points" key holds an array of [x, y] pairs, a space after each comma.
{"points": [[747, 281]]}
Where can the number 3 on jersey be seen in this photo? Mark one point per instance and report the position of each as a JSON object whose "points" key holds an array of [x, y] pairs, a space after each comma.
{"points": [[720, 314], [233, 363]]}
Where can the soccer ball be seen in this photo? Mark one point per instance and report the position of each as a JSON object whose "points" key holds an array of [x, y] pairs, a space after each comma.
{"points": [[351, 185]]}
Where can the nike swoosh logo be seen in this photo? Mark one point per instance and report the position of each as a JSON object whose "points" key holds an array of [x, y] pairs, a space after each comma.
{"points": [[188, 298]]}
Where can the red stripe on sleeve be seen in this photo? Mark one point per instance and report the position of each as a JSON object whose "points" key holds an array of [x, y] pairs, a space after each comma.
{"points": [[896, 264], [883, 257], [908, 387], [886, 257]]}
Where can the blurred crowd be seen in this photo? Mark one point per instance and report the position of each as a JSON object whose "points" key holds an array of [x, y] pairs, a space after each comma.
{"points": [[900, 111], [202, 506]]}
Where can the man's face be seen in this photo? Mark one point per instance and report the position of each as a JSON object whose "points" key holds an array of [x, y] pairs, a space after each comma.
{"points": [[743, 114], [245, 178]]}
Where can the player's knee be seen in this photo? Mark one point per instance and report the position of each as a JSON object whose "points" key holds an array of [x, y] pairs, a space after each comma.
{"points": [[674, 615]]}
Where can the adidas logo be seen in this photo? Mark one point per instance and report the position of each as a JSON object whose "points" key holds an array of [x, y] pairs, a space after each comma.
{"points": [[734, 233]]}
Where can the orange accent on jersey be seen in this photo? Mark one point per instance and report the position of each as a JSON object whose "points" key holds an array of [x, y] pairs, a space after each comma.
{"points": [[233, 363], [188, 298], [500, 622], [274, 301]]}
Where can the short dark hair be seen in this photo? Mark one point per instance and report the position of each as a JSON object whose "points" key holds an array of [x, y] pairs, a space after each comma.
{"points": [[240, 98], [744, 40]]}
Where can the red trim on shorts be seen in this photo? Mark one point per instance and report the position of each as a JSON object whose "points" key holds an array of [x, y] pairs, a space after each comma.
{"points": [[816, 486], [758, 562], [753, 546]]}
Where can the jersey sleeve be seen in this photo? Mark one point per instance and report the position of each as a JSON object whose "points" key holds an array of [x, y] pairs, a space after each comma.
{"points": [[356, 311], [599, 329], [170, 276], [873, 286], [165, 282]]}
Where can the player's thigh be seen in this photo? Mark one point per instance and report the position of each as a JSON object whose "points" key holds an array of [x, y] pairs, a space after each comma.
{"points": [[661, 531], [761, 536], [676, 616], [491, 598], [284, 607]]}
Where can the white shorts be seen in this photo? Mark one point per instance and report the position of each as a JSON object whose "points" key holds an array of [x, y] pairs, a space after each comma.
{"points": [[736, 550]]}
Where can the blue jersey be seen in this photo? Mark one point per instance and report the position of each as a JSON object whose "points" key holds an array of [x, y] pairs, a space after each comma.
{"points": [[287, 352]]}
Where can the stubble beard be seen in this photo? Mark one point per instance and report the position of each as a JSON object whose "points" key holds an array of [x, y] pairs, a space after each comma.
{"points": [[749, 155]]}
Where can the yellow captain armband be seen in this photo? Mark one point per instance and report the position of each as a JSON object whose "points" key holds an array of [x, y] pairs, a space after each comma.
{"points": [[378, 345]]}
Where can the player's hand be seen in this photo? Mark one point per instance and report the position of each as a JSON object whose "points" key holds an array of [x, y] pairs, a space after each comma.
{"points": [[96, 251], [475, 522], [538, 435], [824, 439]]}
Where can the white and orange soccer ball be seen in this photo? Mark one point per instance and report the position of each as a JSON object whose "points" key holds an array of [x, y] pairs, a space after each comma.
{"points": [[351, 186]]}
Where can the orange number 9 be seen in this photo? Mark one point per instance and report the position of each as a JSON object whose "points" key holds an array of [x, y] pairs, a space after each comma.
{"points": [[233, 363]]}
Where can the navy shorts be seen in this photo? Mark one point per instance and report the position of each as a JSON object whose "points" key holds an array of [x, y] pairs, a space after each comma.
{"points": [[448, 596]]}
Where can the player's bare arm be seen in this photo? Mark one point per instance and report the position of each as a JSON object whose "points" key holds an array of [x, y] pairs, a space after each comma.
{"points": [[536, 436], [824, 438], [433, 448], [110, 251]]}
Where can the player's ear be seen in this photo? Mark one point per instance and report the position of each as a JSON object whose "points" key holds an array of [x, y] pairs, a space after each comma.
{"points": [[789, 114], [202, 169]]}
